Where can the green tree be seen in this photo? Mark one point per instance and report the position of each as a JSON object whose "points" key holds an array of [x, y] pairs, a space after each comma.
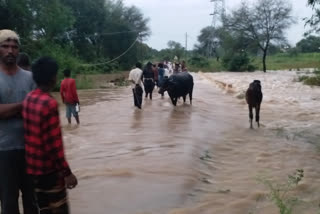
{"points": [[16, 15], [176, 49], [210, 41], [314, 20], [91, 31], [51, 19], [309, 44], [264, 22]]}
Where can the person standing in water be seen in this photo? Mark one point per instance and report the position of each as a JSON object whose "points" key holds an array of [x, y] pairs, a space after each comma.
{"points": [[69, 95], [135, 77]]}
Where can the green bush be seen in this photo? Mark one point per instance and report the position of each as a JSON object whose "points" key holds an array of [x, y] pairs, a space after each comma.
{"points": [[302, 78], [84, 83], [199, 61], [317, 71], [237, 62], [282, 193], [315, 80]]}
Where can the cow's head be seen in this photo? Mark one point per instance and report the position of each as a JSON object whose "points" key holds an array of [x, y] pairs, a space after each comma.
{"points": [[165, 85], [255, 85]]}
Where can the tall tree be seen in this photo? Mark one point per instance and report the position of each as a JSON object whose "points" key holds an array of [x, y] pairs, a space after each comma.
{"points": [[16, 15], [51, 18], [314, 20], [176, 49], [209, 41], [264, 22]]}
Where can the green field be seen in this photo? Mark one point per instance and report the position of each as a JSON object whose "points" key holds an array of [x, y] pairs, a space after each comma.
{"points": [[281, 61], [285, 61]]}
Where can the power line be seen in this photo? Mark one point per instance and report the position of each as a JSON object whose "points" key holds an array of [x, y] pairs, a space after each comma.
{"points": [[69, 34], [103, 63]]}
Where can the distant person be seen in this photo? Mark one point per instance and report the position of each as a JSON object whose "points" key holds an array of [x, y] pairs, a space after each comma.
{"points": [[135, 77], [176, 68], [183, 66], [156, 75], [45, 159], [23, 61], [69, 95], [161, 74], [15, 84], [170, 67], [148, 80], [166, 71]]}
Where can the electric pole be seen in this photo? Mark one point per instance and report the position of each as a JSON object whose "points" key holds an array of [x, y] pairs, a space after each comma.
{"points": [[217, 14], [186, 45]]}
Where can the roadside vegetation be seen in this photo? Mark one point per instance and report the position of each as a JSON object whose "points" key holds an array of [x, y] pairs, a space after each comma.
{"points": [[283, 194]]}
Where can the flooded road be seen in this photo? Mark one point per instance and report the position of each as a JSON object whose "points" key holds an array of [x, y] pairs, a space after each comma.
{"points": [[195, 159]]}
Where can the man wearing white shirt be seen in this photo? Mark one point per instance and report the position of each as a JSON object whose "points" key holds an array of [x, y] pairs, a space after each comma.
{"points": [[135, 77]]}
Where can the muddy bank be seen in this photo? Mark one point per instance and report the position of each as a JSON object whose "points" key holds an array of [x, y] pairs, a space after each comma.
{"points": [[96, 81]]}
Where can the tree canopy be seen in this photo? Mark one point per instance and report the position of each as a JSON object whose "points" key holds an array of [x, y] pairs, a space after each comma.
{"points": [[309, 44], [251, 28], [87, 31], [314, 20]]}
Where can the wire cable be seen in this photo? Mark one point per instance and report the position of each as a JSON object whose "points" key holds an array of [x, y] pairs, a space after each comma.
{"points": [[103, 63]]}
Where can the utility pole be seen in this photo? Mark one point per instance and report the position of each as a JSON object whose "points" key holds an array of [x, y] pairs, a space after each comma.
{"points": [[217, 14], [186, 46]]}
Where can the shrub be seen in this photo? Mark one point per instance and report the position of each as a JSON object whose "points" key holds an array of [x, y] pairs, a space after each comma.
{"points": [[302, 78], [199, 61], [237, 62], [281, 193], [315, 80]]}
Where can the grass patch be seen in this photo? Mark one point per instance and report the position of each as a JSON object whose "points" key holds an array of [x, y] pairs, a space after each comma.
{"points": [[286, 61], [281, 193], [95, 81], [280, 61], [84, 82], [211, 65], [313, 81]]}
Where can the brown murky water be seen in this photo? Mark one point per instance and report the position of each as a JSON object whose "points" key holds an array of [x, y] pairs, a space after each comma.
{"points": [[194, 159]]}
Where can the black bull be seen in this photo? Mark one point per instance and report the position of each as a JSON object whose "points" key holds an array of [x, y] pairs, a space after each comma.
{"points": [[178, 85], [254, 98]]}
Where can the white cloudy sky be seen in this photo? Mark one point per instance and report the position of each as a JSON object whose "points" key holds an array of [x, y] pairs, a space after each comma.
{"points": [[171, 19]]}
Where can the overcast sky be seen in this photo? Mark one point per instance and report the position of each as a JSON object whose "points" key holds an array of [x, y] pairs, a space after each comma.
{"points": [[172, 19]]}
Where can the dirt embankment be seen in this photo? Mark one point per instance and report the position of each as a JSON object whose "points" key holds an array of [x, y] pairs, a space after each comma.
{"points": [[103, 80]]}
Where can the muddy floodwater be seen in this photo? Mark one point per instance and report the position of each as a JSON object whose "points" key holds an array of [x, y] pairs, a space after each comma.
{"points": [[195, 159]]}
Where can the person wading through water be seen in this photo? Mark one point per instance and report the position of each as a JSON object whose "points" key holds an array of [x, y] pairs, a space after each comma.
{"points": [[135, 77], [69, 95]]}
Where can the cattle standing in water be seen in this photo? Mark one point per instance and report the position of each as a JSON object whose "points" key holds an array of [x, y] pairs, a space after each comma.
{"points": [[178, 85], [254, 99]]}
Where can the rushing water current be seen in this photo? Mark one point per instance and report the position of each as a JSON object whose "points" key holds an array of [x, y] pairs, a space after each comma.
{"points": [[195, 159]]}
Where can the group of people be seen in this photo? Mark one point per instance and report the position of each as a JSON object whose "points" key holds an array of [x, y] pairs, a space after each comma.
{"points": [[32, 159], [151, 76]]}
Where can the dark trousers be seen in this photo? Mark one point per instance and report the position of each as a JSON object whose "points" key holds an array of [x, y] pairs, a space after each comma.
{"points": [[13, 178], [137, 96], [51, 194]]}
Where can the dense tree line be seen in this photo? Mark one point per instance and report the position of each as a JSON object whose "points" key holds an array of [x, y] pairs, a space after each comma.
{"points": [[78, 32]]}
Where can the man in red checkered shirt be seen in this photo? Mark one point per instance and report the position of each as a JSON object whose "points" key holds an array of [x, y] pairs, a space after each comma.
{"points": [[45, 160]]}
